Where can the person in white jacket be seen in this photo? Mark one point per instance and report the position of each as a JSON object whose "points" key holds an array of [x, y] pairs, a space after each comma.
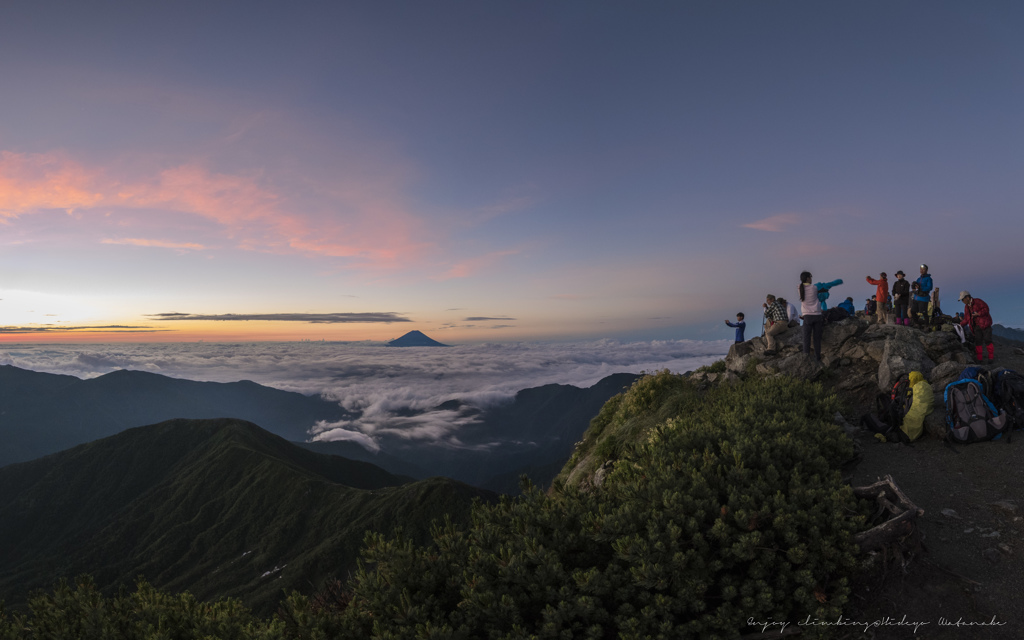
{"points": [[810, 313]]}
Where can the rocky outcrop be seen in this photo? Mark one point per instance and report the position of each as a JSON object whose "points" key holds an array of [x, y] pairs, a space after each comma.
{"points": [[858, 358]]}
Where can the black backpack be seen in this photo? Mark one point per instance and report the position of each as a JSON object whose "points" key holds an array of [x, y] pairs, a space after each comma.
{"points": [[900, 399], [970, 415], [835, 314], [1008, 395], [890, 410]]}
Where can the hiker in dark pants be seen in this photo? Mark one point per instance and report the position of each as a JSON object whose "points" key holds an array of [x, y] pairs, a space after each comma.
{"points": [[977, 317], [901, 298], [810, 313]]}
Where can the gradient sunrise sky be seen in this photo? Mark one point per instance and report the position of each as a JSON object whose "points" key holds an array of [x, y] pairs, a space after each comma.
{"points": [[492, 171]]}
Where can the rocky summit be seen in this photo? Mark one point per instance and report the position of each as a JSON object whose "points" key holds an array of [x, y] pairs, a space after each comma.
{"points": [[859, 359]]}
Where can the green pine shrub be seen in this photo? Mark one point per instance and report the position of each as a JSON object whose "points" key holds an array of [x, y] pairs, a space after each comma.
{"points": [[733, 508], [623, 419], [718, 366], [76, 611]]}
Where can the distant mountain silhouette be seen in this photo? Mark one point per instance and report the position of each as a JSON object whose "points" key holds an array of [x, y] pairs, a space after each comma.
{"points": [[1008, 333], [42, 413], [415, 339], [216, 507]]}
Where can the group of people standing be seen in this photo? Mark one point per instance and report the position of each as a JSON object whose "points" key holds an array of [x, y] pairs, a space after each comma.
{"points": [[906, 302]]}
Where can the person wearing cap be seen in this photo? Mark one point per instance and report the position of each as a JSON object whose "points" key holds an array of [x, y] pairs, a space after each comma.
{"points": [[922, 294], [977, 317], [881, 295], [901, 298]]}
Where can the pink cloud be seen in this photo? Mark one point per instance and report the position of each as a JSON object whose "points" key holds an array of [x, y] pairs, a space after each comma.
{"points": [[142, 242], [774, 223], [467, 268], [44, 181], [362, 222]]}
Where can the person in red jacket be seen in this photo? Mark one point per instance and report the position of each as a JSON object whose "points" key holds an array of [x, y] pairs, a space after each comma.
{"points": [[976, 316], [881, 296]]}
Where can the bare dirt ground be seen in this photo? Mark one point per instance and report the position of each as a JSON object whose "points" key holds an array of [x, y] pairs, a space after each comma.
{"points": [[961, 575]]}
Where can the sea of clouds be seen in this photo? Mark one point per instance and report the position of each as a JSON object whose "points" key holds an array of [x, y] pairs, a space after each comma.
{"points": [[382, 384]]}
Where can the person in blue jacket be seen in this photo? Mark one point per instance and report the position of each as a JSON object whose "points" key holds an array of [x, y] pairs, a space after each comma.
{"points": [[823, 288], [739, 326], [922, 295], [848, 306]]}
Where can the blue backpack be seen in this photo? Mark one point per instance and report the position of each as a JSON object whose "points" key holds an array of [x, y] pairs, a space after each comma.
{"points": [[970, 415]]}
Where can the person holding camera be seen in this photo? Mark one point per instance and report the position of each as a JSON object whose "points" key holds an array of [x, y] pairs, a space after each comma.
{"points": [[881, 297]]}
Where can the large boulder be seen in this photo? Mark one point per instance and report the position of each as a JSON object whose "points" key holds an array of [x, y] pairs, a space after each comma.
{"points": [[836, 333], [944, 373], [902, 354], [740, 349], [795, 365]]}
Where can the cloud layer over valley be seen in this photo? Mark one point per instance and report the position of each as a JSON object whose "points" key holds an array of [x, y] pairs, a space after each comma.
{"points": [[391, 391]]}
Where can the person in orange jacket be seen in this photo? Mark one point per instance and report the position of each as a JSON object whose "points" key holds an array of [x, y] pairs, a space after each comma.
{"points": [[977, 317], [881, 295]]}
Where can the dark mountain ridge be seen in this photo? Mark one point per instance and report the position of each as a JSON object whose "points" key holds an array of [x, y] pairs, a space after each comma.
{"points": [[216, 507], [41, 413], [533, 433]]}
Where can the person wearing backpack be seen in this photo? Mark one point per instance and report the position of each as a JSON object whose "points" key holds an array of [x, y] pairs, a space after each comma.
{"points": [[978, 319], [881, 295], [901, 298], [810, 313]]}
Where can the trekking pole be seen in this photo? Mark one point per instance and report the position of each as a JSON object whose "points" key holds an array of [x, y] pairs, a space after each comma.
{"points": [[764, 321]]}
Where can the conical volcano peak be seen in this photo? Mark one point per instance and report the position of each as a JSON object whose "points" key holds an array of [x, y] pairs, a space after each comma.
{"points": [[415, 339]]}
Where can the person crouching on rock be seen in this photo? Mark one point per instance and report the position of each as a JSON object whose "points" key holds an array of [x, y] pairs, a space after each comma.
{"points": [[901, 298], [739, 326], [977, 317], [847, 305], [777, 322], [881, 295], [810, 313]]}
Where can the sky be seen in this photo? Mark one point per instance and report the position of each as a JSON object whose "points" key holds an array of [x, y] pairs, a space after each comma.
{"points": [[496, 171]]}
